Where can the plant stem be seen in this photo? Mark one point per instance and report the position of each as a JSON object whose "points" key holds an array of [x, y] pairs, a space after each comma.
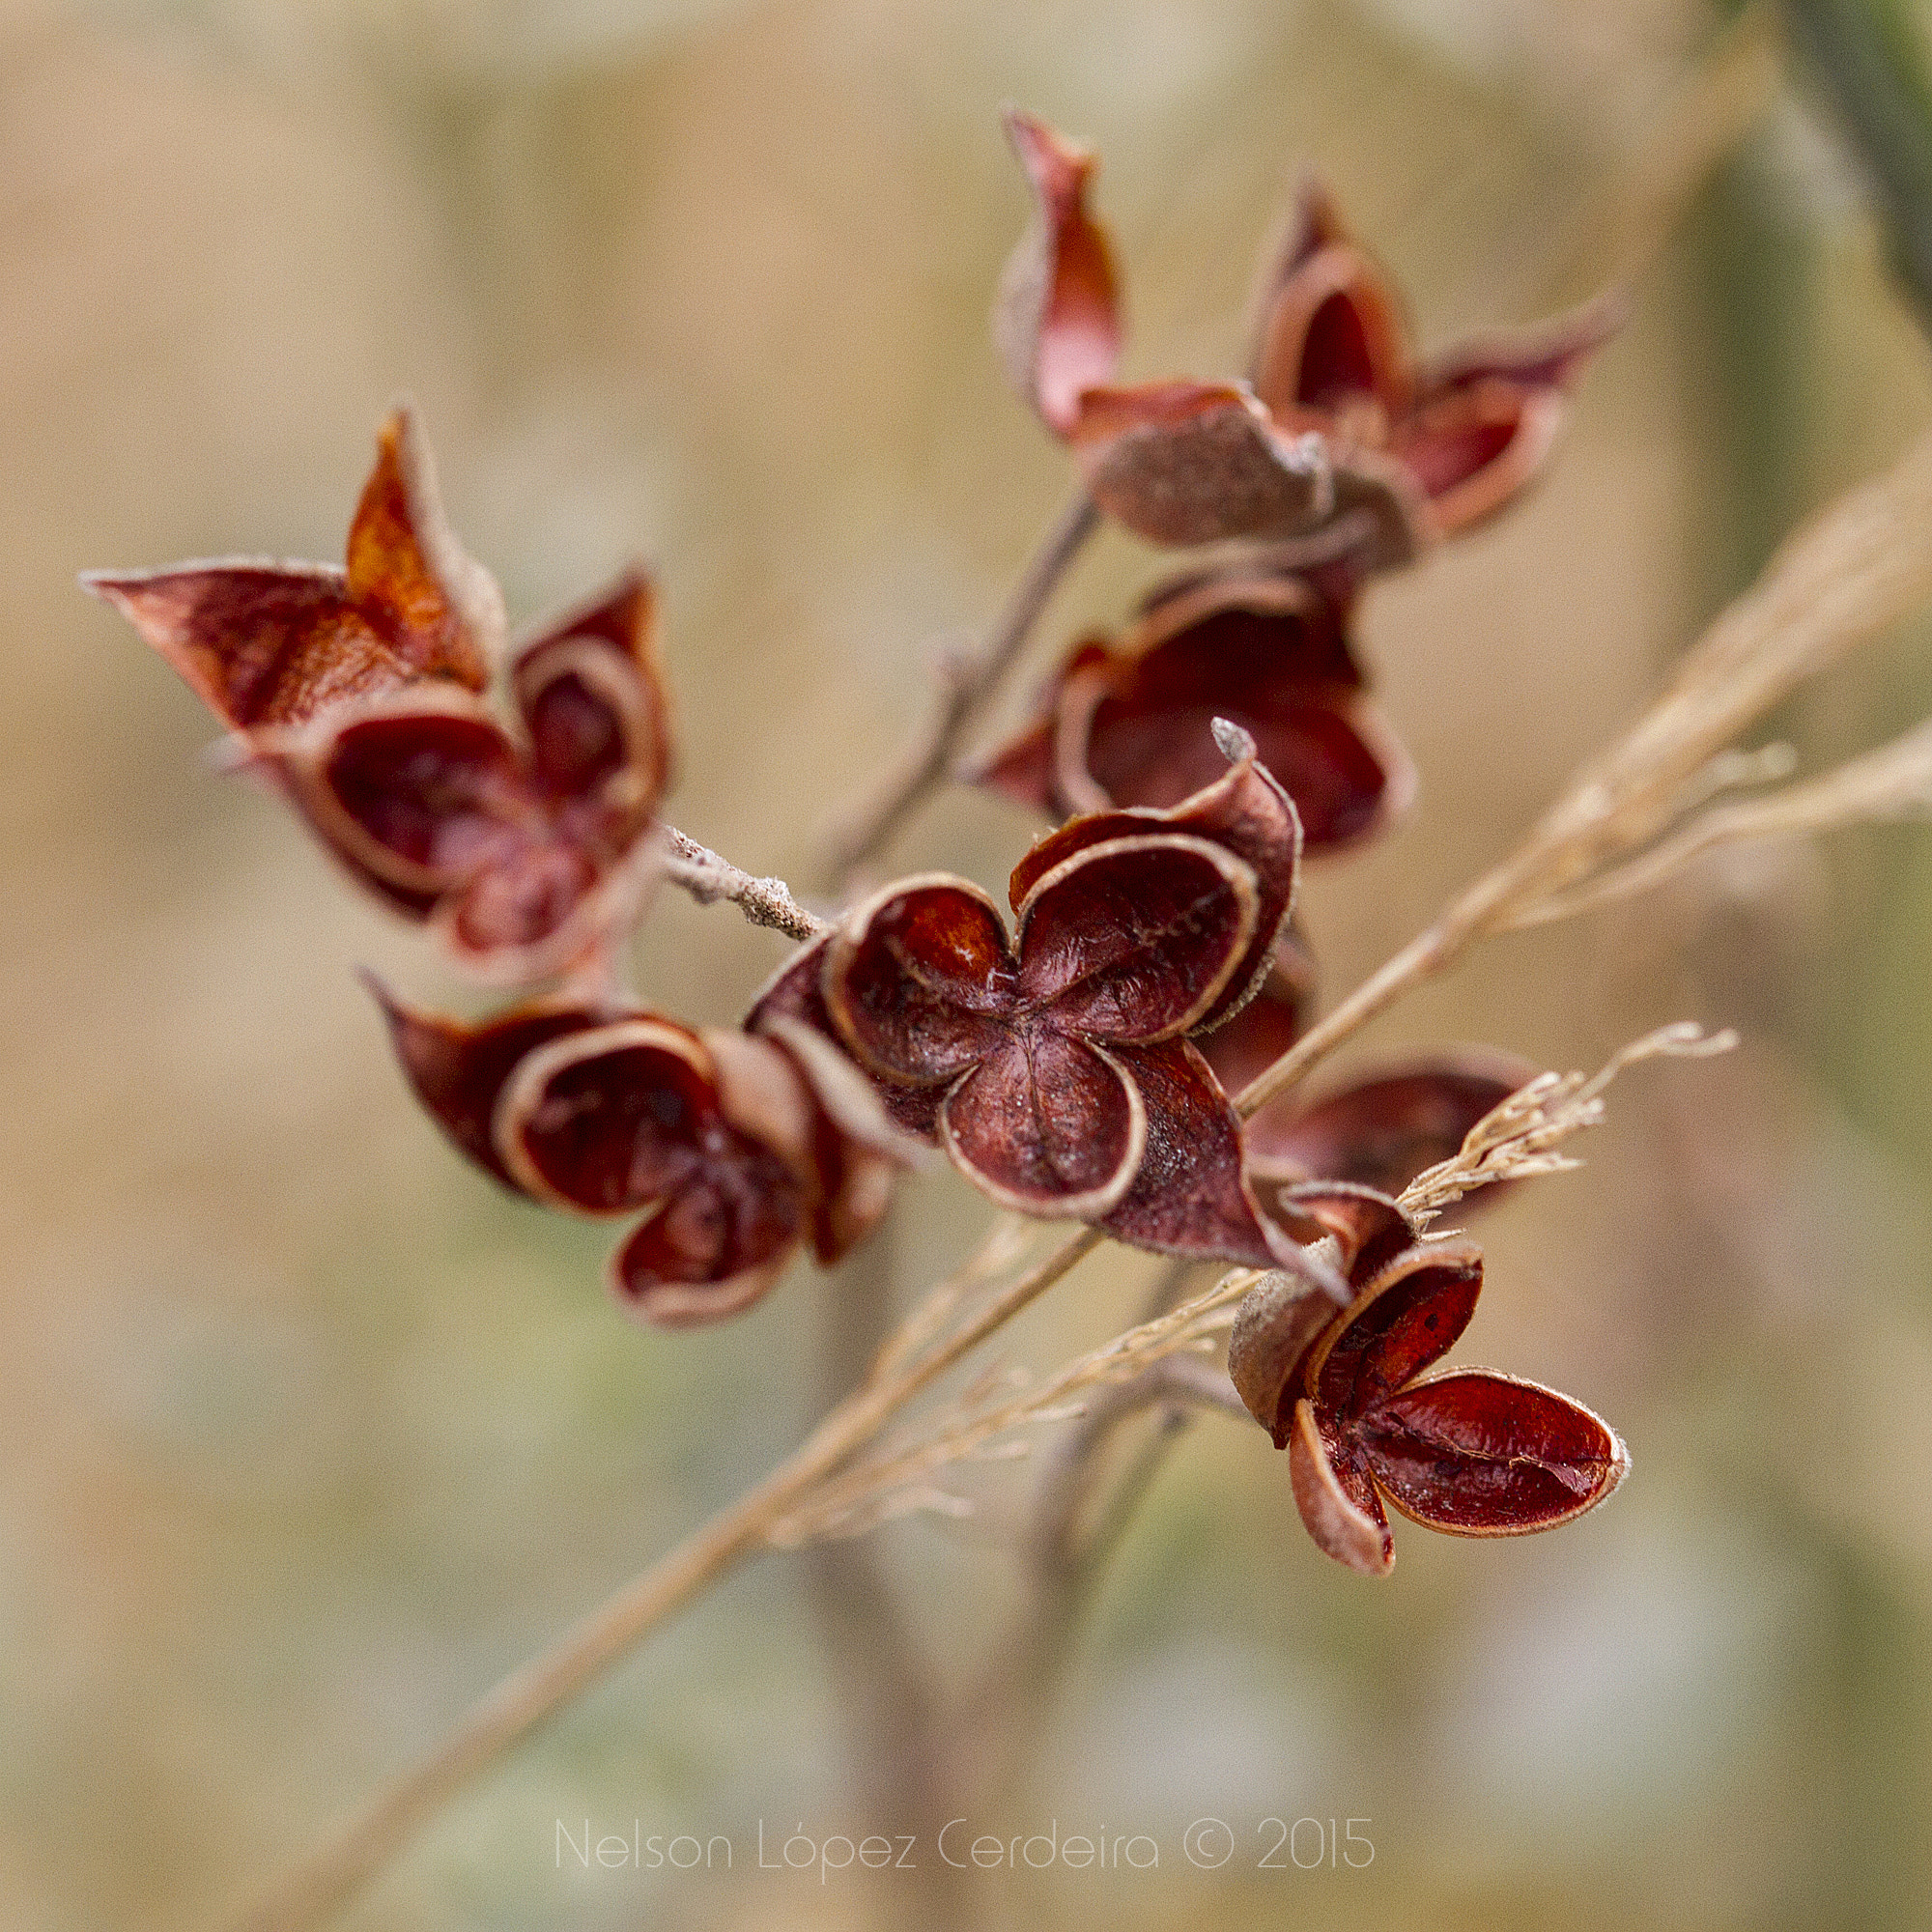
{"points": [[529, 1696], [708, 878], [317, 1888], [864, 829]]}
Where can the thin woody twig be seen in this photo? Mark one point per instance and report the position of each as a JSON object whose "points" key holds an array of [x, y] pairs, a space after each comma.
{"points": [[928, 761], [709, 878]]}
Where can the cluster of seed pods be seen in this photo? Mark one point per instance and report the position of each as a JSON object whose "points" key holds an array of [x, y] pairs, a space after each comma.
{"points": [[1077, 1065]]}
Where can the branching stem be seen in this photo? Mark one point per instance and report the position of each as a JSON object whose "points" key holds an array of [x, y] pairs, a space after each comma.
{"points": [[926, 764], [1858, 565], [316, 1890]]}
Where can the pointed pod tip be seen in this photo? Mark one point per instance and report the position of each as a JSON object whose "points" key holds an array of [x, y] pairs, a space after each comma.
{"points": [[379, 991], [401, 1020], [1308, 453], [402, 419], [1235, 742], [1054, 163], [130, 592], [1027, 133], [1025, 130], [400, 445], [238, 753], [413, 1036]]}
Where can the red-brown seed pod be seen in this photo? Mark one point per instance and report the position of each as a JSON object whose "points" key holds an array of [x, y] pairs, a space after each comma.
{"points": [[1132, 724], [732, 1148], [1470, 428], [1245, 811], [1174, 462], [523, 847], [523, 844], [1342, 429], [1349, 1393], [1054, 1065], [267, 643]]}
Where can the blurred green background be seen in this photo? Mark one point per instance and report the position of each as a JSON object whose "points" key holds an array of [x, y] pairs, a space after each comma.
{"points": [[309, 1433]]}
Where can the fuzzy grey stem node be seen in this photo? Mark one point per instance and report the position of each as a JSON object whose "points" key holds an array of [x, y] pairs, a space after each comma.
{"points": [[708, 878]]}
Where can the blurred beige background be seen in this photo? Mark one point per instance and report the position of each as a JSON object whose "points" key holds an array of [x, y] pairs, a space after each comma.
{"points": [[309, 1434]]}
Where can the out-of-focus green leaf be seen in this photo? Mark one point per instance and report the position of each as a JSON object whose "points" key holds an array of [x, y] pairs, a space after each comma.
{"points": [[1871, 57]]}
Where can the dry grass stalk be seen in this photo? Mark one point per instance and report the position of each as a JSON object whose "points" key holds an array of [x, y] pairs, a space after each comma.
{"points": [[1858, 566], [899, 1480], [1894, 782], [1520, 1137]]}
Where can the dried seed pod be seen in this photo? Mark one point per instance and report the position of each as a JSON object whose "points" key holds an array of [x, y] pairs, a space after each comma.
{"points": [[1054, 1066], [1131, 724], [1345, 430], [732, 1147], [1469, 428], [267, 643], [1349, 1394], [522, 850], [1245, 812], [357, 690]]}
